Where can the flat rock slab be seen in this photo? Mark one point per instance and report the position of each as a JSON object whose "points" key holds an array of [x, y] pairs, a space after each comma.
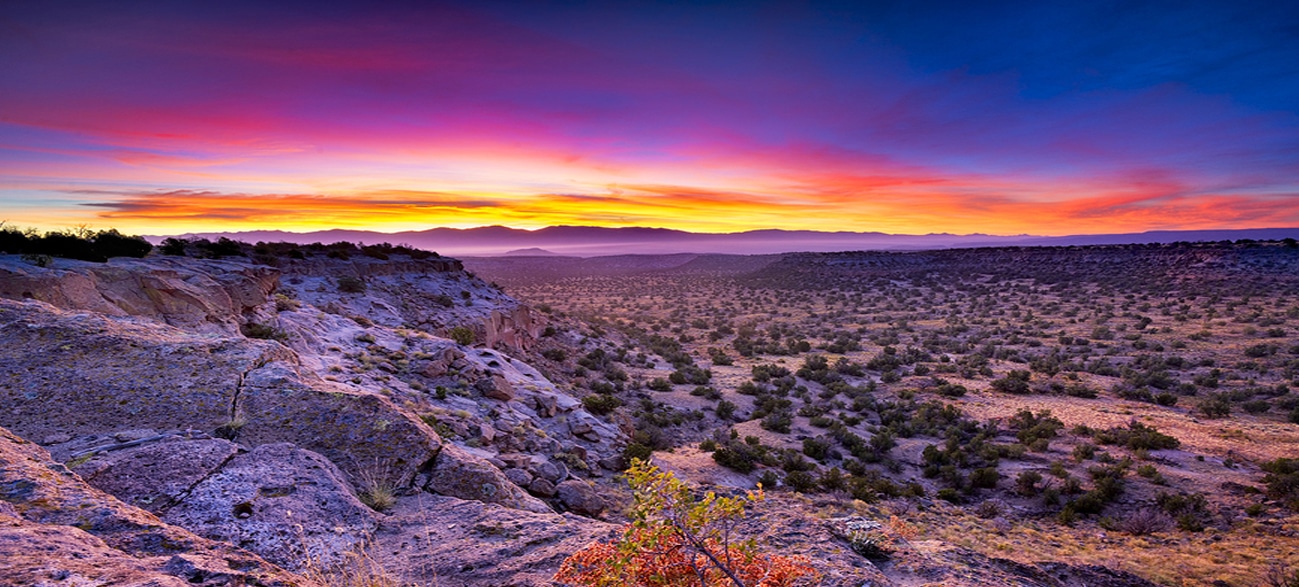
{"points": [[282, 502], [154, 476], [55, 530], [450, 542]]}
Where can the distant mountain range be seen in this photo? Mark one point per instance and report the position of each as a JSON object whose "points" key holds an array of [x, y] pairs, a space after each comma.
{"points": [[586, 241]]}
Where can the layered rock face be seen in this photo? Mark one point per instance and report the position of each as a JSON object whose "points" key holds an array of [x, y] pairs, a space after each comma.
{"points": [[205, 296]]}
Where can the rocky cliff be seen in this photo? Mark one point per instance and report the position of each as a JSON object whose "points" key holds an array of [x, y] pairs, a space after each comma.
{"points": [[259, 405]]}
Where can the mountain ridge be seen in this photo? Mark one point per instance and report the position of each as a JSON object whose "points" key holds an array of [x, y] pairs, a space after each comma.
{"points": [[590, 241]]}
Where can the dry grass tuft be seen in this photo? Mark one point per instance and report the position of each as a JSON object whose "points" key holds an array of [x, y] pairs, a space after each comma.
{"points": [[378, 490]]}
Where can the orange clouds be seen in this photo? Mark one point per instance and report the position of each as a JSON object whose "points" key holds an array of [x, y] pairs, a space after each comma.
{"points": [[901, 207]]}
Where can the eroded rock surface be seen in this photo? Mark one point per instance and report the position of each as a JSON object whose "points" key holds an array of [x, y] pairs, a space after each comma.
{"points": [[57, 530], [202, 295], [75, 374], [434, 540], [281, 502], [156, 476]]}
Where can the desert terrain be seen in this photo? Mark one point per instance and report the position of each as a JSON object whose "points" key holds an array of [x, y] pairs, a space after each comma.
{"points": [[219, 413]]}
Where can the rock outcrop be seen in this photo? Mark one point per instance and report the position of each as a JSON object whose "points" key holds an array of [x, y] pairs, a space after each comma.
{"points": [[57, 530], [206, 296], [287, 504], [67, 374]]}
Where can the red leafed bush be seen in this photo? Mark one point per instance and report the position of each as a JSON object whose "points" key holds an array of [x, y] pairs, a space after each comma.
{"points": [[675, 540]]}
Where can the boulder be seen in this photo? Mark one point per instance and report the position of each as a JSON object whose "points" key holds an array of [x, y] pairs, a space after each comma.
{"points": [[516, 328], [541, 487], [552, 471], [580, 497], [205, 296], [460, 474], [74, 374], [437, 540], [518, 477], [356, 431], [495, 387], [82, 374]]}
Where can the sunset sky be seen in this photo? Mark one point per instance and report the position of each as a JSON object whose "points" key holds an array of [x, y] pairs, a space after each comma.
{"points": [[904, 117]]}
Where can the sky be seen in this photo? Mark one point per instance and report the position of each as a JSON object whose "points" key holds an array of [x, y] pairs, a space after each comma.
{"points": [[914, 117]]}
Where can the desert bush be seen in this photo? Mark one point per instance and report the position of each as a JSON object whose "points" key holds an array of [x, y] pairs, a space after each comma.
{"points": [[636, 451], [263, 331], [1015, 382], [725, 409], [1145, 521], [350, 284], [600, 404], [778, 421], [1282, 481], [674, 539], [462, 335], [1136, 436]]}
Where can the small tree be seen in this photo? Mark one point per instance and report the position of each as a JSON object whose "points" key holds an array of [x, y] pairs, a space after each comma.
{"points": [[674, 539]]}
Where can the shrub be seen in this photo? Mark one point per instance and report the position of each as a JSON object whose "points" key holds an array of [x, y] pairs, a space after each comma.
{"points": [[725, 409], [636, 451], [377, 488], [777, 422], [1282, 481], [600, 404], [984, 478], [1145, 521], [800, 481], [675, 540], [263, 331], [1215, 406], [1026, 483], [349, 284], [1015, 382], [462, 335], [1137, 436]]}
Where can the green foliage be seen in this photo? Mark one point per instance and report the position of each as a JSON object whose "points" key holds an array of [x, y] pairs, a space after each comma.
{"points": [[1282, 481], [636, 451], [462, 335], [725, 409], [1015, 382], [1217, 405], [263, 331], [600, 404], [1137, 436]]}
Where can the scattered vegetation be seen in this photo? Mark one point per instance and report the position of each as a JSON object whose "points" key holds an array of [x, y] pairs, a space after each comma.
{"points": [[674, 539]]}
